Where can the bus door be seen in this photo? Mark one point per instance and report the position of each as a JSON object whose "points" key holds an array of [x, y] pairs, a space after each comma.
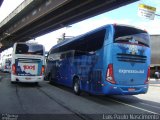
{"points": [[85, 66], [63, 69], [95, 74], [83, 70], [66, 67]]}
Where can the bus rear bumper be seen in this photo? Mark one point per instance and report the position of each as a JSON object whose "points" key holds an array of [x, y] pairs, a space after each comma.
{"points": [[27, 78], [112, 89]]}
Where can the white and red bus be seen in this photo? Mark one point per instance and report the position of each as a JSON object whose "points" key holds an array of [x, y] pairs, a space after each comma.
{"points": [[28, 61]]}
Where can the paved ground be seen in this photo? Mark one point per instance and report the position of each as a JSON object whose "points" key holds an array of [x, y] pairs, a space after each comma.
{"points": [[155, 82], [45, 101]]}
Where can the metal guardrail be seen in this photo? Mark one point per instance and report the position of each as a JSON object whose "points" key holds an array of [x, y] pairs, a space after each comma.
{"points": [[16, 11]]}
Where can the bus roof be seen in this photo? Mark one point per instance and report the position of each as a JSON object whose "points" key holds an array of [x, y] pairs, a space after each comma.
{"points": [[31, 43], [85, 34]]}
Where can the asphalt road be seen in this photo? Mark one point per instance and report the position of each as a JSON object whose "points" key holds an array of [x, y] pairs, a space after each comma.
{"points": [[45, 101]]}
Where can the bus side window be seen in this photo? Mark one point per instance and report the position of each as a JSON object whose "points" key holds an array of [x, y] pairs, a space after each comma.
{"points": [[94, 41], [62, 56], [69, 54]]}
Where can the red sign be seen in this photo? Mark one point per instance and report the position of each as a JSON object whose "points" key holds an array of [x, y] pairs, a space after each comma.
{"points": [[31, 67]]}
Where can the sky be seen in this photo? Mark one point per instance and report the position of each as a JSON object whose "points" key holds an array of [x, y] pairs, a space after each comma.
{"points": [[124, 15]]}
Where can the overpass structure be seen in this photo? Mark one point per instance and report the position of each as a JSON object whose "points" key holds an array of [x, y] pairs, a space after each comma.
{"points": [[34, 18]]}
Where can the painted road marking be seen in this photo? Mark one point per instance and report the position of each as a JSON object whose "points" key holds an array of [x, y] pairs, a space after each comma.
{"points": [[134, 106], [150, 105]]}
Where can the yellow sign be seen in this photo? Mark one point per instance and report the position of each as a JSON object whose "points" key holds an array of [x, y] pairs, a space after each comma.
{"points": [[147, 7], [146, 11]]}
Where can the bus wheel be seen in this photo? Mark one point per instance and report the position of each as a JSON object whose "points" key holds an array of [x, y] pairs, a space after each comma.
{"points": [[13, 82], [36, 83], [50, 80], [76, 87]]}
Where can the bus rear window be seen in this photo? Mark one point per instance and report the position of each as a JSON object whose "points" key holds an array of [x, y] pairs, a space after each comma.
{"points": [[32, 49], [130, 34]]}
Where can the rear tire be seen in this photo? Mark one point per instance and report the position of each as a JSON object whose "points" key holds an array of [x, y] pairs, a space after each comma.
{"points": [[36, 83], [50, 80], [13, 82], [76, 86]]}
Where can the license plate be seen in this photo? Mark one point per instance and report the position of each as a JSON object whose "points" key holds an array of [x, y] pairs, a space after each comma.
{"points": [[28, 78], [131, 89]]}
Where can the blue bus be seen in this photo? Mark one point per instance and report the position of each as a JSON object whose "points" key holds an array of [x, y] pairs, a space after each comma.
{"points": [[113, 59]]}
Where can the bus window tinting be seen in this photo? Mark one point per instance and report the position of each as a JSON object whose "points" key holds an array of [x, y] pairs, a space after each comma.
{"points": [[29, 49], [87, 43], [124, 34]]}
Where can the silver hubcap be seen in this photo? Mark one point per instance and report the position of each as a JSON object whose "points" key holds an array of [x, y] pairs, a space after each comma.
{"points": [[76, 87]]}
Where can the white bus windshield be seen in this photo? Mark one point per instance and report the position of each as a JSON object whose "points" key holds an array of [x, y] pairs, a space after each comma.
{"points": [[32, 49]]}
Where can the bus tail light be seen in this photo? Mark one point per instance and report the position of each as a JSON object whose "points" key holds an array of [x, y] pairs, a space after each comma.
{"points": [[109, 74], [148, 76], [42, 70], [14, 69]]}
